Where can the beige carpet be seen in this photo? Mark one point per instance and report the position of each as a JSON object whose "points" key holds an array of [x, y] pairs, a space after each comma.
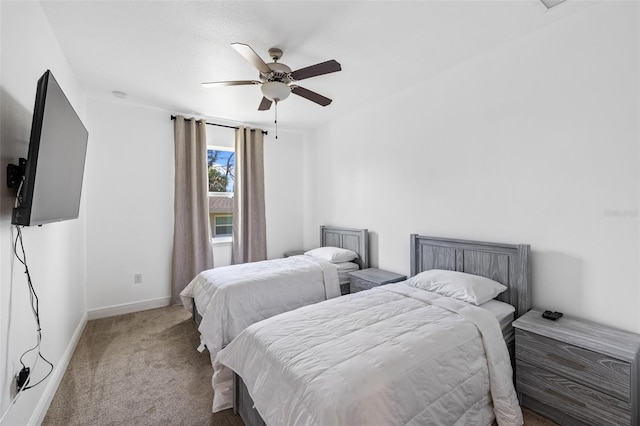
{"points": [[143, 369]]}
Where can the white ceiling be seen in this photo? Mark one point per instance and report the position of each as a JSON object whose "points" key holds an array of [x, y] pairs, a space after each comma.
{"points": [[158, 52]]}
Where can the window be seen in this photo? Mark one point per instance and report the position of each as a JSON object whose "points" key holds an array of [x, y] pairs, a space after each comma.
{"points": [[221, 170], [221, 162], [222, 225]]}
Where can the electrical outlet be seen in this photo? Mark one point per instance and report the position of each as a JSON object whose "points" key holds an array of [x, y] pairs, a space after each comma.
{"points": [[137, 278], [15, 388], [22, 379], [14, 382]]}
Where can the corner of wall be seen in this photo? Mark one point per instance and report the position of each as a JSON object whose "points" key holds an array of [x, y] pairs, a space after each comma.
{"points": [[55, 251]]}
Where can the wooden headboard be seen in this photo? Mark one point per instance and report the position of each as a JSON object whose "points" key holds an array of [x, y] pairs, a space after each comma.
{"points": [[347, 238], [508, 264]]}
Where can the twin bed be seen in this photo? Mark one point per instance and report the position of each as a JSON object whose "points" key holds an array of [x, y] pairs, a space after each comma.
{"points": [[226, 300], [395, 354]]}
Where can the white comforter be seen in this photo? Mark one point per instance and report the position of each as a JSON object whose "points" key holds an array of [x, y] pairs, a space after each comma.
{"points": [[393, 355], [231, 298]]}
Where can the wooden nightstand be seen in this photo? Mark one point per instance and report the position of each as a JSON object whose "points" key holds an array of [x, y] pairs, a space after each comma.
{"points": [[294, 253], [577, 372], [365, 279]]}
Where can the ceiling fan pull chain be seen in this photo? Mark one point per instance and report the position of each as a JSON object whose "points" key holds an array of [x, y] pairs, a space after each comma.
{"points": [[276, 101]]}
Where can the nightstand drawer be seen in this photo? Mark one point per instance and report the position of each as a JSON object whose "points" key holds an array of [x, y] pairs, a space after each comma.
{"points": [[358, 284], [592, 369], [579, 401], [344, 289]]}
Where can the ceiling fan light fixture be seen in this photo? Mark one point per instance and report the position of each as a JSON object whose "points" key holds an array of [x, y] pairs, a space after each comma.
{"points": [[275, 90]]}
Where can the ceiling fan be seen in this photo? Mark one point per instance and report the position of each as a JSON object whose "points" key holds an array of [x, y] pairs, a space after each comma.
{"points": [[277, 80]]}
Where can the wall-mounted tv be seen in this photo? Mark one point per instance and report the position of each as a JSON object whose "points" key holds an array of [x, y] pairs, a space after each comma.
{"points": [[54, 167]]}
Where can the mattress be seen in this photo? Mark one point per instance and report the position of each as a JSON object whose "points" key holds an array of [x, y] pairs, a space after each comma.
{"points": [[343, 271], [401, 355], [503, 312]]}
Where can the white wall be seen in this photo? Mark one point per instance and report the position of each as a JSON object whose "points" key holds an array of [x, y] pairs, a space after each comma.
{"points": [[283, 175], [130, 203], [55, 252], [534, 142]]}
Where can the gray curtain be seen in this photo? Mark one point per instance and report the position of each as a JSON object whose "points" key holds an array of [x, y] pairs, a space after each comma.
{"points": [[249, 225], [192, 252]]}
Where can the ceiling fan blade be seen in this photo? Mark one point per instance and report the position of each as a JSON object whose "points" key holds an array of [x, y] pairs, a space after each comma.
{"points": [[312, 96], [229, 83], [317, 69], [250, 55], [265, 104]]}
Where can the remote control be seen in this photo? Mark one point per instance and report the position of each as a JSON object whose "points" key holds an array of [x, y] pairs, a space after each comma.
{"points": [[551, 315]]}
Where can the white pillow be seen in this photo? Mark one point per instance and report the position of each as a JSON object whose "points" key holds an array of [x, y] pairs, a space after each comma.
{"points": [[466, 287], [333, 254]]}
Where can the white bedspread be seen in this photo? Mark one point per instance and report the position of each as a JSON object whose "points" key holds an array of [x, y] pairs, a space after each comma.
{"points": [[393, 355], [233, 297]]}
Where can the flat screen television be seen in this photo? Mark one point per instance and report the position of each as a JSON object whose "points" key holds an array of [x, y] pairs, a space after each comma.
{"points": [[54, 166]]}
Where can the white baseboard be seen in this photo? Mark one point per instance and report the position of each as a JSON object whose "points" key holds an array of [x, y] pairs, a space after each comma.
{"points": [[56, 376], [127, 308]]}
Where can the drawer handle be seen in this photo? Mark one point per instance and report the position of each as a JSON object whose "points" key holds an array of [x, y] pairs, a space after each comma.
{"points": [[566, 362], [565, 397]]}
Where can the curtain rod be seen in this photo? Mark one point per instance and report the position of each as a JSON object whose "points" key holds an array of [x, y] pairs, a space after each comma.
{"points": [[264, 132]]}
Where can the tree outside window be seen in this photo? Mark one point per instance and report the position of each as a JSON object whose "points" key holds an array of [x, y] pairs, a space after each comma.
{"points": [[221, 170], [221, 164]]}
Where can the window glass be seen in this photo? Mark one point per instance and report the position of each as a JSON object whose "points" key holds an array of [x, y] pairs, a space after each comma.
{"points": [[221, 170], [224, 220], [223, 226]]}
